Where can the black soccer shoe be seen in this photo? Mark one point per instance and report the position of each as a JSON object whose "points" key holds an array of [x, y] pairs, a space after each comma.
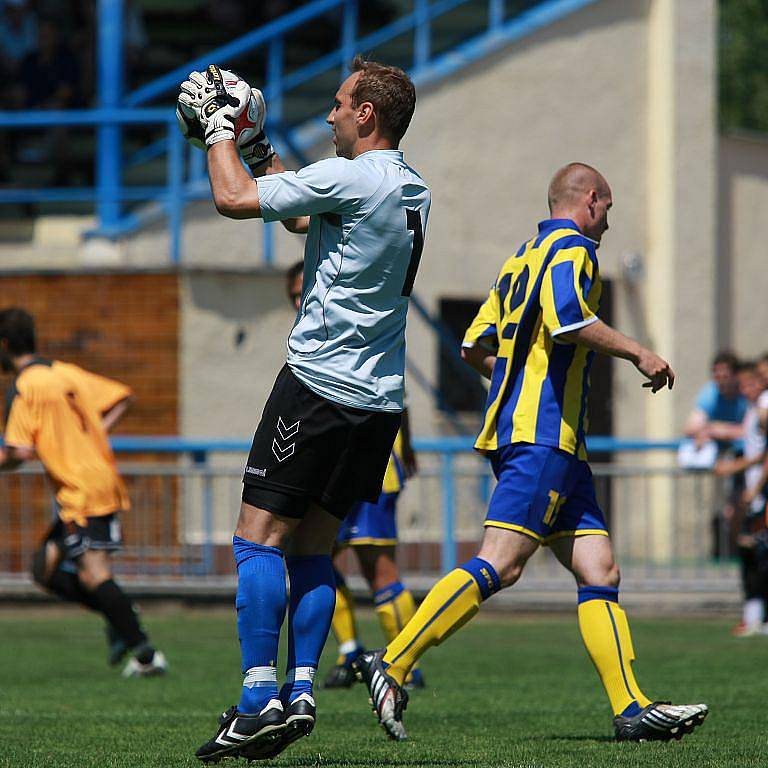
{"points": [[340, 676], [299, 721], [388, 699], [237, 731], [660, 721]]}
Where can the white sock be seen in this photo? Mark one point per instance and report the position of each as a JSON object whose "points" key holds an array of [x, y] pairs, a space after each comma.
{"points": [[753, 612]]}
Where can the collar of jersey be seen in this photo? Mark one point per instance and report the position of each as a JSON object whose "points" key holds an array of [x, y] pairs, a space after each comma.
{"points": [[398, 153], [551, 224]]}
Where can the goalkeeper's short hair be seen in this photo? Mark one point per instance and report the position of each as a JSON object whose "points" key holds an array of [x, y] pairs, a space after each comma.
{"points": [[391, 92]]}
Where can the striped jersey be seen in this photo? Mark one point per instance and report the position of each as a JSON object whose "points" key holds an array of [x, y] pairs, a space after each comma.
{"points": [[539, 386]]}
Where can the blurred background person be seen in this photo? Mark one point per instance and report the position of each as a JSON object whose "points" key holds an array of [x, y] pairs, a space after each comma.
{"points": [[749, 521], [719, 416]]}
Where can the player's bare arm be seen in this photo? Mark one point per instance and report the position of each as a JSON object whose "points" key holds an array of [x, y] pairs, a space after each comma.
{"points": [[12, 456], [480, 359], [111, 417], [602, 338], [220, 112]]}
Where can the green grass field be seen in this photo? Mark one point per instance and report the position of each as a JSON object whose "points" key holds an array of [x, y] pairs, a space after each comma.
{"points": [[506, 691]]}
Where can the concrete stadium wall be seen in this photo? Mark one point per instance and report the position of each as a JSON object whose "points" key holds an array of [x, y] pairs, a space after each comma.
{"points": [[742, 270], [627, 86]]}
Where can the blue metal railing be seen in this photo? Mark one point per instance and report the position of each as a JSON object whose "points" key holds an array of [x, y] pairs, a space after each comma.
{"points": [[185, 179], [447, 448]]}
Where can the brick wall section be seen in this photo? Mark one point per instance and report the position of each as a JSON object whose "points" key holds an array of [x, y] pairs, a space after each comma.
{"points": [[124, 326]]}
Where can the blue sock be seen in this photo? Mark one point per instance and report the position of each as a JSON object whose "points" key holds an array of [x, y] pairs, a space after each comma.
{"points": [[313, 597], [485, 576], [261, 599]]}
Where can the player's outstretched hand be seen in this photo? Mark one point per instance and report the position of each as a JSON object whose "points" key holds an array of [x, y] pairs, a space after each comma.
{"points": [[656, 369], [213, 100], [254, 145], [200, 97], [218, 114]]}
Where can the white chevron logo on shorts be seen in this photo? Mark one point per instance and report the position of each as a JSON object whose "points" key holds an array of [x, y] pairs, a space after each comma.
{"points": [[281, 454], [286, 432]]}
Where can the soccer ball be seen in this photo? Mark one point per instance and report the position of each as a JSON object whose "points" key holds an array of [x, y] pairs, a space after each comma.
{"points": [[248, 124]]}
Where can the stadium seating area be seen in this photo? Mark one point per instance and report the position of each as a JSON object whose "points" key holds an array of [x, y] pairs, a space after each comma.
{"points": [[162, 35]]}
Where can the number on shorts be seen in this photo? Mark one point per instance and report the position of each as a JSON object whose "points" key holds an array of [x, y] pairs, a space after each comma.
{"points": [[555, 502]]}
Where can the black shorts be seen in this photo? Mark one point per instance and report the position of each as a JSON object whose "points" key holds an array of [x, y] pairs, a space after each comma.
{"points": [[308, 449], [103, 532]]}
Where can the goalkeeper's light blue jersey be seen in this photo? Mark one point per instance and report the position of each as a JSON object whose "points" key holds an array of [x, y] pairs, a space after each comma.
{"points": [[366, 232]]}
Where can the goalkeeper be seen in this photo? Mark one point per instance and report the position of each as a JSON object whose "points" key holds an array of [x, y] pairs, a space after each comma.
{"points": [[328, 427]]}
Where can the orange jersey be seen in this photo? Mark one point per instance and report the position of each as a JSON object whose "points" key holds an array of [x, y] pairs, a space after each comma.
{"points": [[56, 408]]}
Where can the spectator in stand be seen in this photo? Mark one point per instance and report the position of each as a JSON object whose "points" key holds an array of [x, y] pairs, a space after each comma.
{"points": [[762, 368], [18, 34], [50, 75], [50, 79], [719, 415], [750, 509], [720, 406]]}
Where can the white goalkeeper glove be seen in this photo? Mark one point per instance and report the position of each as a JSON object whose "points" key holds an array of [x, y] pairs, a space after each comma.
{"points": [[219, 105]]}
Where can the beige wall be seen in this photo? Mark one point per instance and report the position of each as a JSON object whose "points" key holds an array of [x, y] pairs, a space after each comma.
{"points": [[743, 216], [627, 87], [233, 331]]}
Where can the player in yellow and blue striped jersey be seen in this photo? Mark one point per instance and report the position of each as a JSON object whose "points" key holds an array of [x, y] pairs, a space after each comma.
{"points": [[535, 338]]}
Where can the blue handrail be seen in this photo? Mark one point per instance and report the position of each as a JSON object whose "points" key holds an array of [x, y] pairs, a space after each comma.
{"points": [[118, 110], [187, 445]]}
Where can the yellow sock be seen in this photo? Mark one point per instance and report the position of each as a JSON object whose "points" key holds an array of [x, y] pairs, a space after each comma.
{"points": [[395, 607], [343, 624], [606, 635], [450, 604]]}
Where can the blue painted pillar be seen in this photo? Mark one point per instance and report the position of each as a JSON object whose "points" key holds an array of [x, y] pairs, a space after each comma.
{"points": [[110, 76], [496, 12], [448, 554], [175, 189], [348, 36], [422, 33]]}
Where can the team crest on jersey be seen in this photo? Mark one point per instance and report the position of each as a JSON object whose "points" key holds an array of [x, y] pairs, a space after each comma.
{"points": [[282, 446]]}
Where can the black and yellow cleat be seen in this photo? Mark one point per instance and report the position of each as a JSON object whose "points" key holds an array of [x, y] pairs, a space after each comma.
{"points": [[660, 721]]}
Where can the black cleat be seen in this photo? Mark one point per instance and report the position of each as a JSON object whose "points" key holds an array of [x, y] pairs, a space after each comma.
{"points": [[300, 719], [660, 721], [237, 731], [388, 699], [340, 676]]}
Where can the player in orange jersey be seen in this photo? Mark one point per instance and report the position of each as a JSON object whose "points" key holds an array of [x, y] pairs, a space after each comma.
{"points": [[60, 414]]}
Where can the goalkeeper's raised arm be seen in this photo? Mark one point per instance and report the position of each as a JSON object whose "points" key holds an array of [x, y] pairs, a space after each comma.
{"points": [[220, 112]]}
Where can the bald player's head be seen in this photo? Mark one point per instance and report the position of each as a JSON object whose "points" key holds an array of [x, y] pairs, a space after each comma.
{"points": [[580, 192]]}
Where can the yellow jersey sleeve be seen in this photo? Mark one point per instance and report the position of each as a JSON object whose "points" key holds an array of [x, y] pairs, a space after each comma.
{"points": [[484, 328], [99, 392], [22, 425], [566, 290]]}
